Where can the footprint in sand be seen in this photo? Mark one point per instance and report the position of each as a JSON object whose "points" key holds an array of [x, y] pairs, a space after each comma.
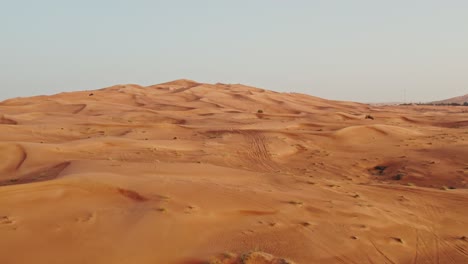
{"points": [[86, 218], [8, 221], [397, 240], [191, 209], [5, 220]]}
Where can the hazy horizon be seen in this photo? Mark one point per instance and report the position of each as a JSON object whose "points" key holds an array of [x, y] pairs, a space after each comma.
{"points": [[361, 51]]}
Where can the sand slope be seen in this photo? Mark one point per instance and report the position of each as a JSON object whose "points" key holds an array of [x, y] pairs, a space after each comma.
{"points": [[185, 172], [459, 100]]}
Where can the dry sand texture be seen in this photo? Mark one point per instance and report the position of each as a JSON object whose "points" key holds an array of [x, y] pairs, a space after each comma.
{"points": [[182, 172]]}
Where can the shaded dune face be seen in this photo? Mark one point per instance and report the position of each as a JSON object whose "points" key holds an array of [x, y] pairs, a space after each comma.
{"points": [[186, 172]]}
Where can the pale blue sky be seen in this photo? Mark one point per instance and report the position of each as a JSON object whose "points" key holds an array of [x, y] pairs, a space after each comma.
{"points": [[361, 50]]}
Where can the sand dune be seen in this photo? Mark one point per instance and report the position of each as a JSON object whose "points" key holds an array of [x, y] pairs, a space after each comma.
{"points": [[185, 172], [459, 100]]}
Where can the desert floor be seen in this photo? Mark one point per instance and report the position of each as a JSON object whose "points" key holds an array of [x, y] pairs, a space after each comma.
{"points": [[180, 172]]}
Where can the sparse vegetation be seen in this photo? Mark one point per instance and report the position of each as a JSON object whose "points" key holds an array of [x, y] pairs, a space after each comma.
{"points": [[380, 169], [369, 117], [437, 104], [259, 111], [398, 177]]}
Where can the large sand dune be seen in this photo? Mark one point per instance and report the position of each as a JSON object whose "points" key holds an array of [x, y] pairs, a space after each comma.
{"points": [[184, 172]]}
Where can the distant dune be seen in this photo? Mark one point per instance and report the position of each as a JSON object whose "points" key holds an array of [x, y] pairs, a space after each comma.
{"points": [[458, 100], [185, 172]]}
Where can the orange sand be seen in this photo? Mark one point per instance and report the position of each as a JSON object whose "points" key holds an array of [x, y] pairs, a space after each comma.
{"points": [[180, 172]]}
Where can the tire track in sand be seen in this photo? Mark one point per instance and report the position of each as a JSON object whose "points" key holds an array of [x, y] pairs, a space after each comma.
{"points": [[257, 153], [441, 251]]}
